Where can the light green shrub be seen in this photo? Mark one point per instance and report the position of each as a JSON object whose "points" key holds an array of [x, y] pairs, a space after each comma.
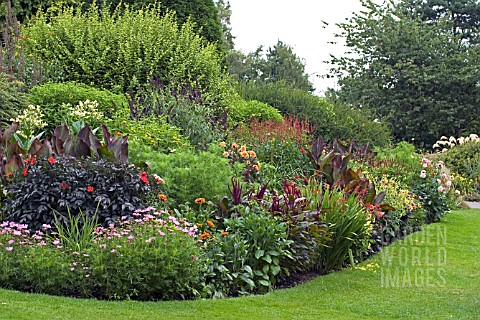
{"points": [[12, 99], [188, 175], [244, 111], [123, 50]]}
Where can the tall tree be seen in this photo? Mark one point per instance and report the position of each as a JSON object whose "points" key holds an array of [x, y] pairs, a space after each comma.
{"points": [[416, 74], [279, 63], [225, 13], [464, 15]]}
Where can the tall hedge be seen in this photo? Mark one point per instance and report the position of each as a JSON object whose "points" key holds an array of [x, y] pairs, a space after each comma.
{"points": [[120, 51]]}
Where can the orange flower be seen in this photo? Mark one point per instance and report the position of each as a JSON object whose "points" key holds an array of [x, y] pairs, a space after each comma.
{"points": [[199, 225], [200, 200], [225, 154], [204, 235], [224, 233], [89, 189], [210, 224], [234, 146], [243, 149], [162, 197], [222, 144], [256, 166], [252, 154], [244, 154]]}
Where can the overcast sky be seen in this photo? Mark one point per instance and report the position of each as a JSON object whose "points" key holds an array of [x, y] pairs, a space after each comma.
{"points": [[297, 23]]}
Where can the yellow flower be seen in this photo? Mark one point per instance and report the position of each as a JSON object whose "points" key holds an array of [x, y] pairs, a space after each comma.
{"points": [[225, 154], [222, 144]]}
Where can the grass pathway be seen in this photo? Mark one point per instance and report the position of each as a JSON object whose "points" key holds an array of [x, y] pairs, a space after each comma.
{"points": [[433, 274]]}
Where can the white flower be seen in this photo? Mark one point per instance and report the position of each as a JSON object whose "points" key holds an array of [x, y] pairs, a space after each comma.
{"points": [[441, 189], [423, 174], [457, 191], [448, 184]]}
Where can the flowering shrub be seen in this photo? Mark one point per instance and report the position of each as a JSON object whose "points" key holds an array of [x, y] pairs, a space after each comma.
{"points": [[244, 111], [407, 217], [122, 262], [434, 189], [62, 184]]}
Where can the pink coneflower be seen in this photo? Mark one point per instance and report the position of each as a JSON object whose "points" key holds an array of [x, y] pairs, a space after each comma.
{"points": [[9, 248]]}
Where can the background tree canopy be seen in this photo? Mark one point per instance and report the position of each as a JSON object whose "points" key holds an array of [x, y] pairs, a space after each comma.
{"points": [[418, 74], [279, 64]]}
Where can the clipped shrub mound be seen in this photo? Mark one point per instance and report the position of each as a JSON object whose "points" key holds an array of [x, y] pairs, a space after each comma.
{"points": [[243, 111], [59, 101]]}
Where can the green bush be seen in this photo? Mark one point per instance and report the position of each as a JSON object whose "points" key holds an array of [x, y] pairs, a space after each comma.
{"points": [[123, 50], [55, 99], [12, 99], [247, 256], [188, 175], [331, 120], [120, 263], [464, 160], [242, 111], [150, 131], [67, 184]]}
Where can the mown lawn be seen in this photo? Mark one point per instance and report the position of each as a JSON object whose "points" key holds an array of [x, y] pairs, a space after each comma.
{"points": [[433, 274]]}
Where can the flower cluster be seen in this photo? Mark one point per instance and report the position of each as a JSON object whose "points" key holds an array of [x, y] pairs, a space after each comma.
{"points": [[30, 120], [239, 154], [86, 111], [445, 143]]}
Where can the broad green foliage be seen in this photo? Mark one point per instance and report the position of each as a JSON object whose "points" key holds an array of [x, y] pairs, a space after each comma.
{"points": [[244, 111], [58, 100], [121, 51], [12, 99], [331, 119], [188, 175], [416, 74]]}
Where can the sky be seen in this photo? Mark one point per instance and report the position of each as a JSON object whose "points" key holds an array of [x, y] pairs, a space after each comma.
{"points": [[297, 23]]}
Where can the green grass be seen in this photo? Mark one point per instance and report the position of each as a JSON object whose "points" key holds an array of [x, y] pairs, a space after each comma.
{"points": [[452, 290]]}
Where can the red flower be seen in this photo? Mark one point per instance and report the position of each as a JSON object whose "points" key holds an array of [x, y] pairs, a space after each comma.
{"points": [[9, 174], [25, 172], [143, 177], [303, 150], [34, 160], [27, 161], [51, 160], [90, 189], [64, 186]]}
